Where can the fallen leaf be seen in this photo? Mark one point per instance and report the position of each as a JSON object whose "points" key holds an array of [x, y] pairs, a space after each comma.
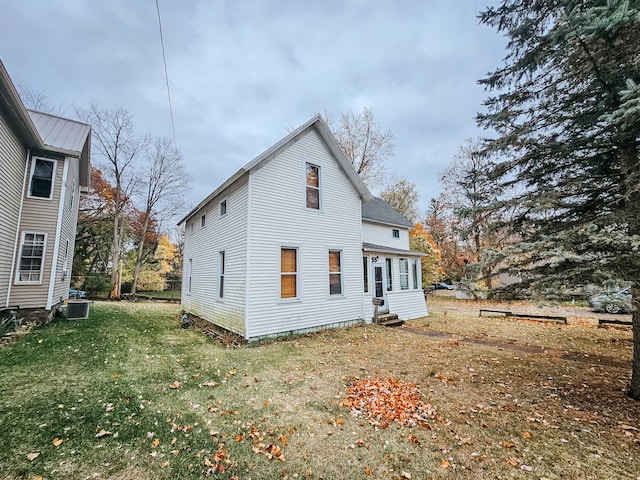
{"points": [[508, 444], [210, 384], [164, 464], [406, 475], [32, 456], [513, 461], [57, 442], [367, 471], [175, 385], [445, 463], [156, 442], [102, 433], [526, 468], [526, 435]]}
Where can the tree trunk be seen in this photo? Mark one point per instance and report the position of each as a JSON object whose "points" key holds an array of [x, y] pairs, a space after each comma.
{"points": [[115, 260], [143, 236], [634, 390]]}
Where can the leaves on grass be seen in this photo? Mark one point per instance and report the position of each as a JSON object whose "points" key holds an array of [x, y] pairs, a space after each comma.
{"points": [[57, 442], [175, 385], [32, 456], [102, 433], [382, 401], [209, 384]]}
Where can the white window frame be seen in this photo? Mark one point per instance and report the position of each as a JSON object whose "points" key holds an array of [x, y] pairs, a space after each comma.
{"points": [[190, 276], [34, 160], [203, 220], [223, 204], [388, 266], [42, 260], [340, 272], [415, 272], [365, 273], [222, 257], [404, 275], [318, 188], [297, 273]]}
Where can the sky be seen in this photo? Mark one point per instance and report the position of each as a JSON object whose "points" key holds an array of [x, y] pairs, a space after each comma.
{"points": [[243, 73]]}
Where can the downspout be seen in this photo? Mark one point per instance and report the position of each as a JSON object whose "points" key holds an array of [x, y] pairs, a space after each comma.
{"points": [[16, 243], [56, 245]]}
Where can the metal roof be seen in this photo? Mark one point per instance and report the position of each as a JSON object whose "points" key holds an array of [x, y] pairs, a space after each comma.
{"points": [[61, 134], [379, 211], [370, 247]]}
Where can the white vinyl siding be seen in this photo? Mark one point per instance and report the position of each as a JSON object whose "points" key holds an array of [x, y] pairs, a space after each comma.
{"points": [[280, 218], [12, 175], [226, 233], [382, 235]]}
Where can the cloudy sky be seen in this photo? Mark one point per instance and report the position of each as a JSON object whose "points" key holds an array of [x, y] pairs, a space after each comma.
{"points": [[243, 72]]}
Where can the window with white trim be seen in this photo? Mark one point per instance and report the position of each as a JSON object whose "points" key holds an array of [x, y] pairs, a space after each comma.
{"points": [[189, 276], [365, 269], [313, 186], [389, 265], [404, 274], [43, 173], [223, 208], [395, 233], [415, 274], [288, 273], [335, 272], [31, 261], [203, 220], [221, 266]]}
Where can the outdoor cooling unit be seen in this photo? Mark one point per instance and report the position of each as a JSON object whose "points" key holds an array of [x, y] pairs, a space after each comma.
{"points": [[78, 309]]}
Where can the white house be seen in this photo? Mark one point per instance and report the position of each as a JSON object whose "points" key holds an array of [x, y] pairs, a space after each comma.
{"points": [[295, 242]]}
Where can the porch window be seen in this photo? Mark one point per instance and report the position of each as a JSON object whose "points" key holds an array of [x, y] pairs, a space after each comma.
{"points": [[42, 175], [415, 274], [31, 257], [389, 265], [313, 186], [404, 274], [365, 269], [288, 273], [335, 272], [221, 265]]}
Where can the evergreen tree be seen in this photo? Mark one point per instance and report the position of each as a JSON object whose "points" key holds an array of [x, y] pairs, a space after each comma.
{"points": [[566, 110]]}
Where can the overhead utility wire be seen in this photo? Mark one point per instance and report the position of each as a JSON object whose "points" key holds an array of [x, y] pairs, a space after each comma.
{"points": [[166, 77]]}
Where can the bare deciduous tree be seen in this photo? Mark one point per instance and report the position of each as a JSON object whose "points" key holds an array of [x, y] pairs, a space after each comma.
{"points": [[402, 195], [163, 193], [118, 147], [365, 144]]}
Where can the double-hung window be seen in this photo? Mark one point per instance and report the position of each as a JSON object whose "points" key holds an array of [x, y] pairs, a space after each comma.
{"points": [[395, 233], [335, 272], [221, 266], [190, 275], [389, 265], [404, 274], [31, 257], [415, 274], [42, 175], [288, 272], [223, 208], [313, 186], [365, 269]]}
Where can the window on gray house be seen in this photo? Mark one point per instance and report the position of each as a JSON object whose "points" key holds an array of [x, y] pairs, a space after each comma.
{"points": [[42, 174]]}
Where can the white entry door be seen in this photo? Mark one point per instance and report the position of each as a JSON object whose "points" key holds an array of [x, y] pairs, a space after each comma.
{"points": [[379, 286]]}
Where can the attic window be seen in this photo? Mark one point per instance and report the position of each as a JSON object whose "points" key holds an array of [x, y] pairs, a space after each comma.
{"points": [[395, 233], [203, 220], [223, 207], [313, 186]]}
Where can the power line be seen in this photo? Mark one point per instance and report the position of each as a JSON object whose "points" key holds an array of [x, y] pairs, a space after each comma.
{"points": [[166, 76]]}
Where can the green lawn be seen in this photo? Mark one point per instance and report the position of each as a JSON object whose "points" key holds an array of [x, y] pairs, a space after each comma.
{"points": [[128, 394]]}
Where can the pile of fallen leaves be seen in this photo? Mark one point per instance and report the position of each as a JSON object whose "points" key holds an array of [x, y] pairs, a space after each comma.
{"points": [[384, 400]]}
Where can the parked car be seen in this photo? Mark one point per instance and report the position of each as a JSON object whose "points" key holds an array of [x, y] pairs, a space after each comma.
{"points": [[617, 302], [442, 286]]}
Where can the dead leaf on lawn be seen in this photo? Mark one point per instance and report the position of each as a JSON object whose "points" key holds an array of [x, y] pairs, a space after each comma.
{"points": [[102, 433], [156, 442], [32, 456], [445, 463], [175, 385], [526, 435], [508, 444], [367, 471], [57, 442], [513, 461], [209, 384]]}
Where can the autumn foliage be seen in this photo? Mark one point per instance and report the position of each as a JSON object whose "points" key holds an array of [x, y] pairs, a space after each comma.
{"points": [[382, 401]]}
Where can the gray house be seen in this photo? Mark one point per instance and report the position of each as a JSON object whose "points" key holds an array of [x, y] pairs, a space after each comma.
{"points": [[45, 165]]}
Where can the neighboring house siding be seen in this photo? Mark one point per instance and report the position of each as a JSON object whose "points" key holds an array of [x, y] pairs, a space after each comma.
{"points": [[12, 167], [383, 235], [279, 218], [67, 231], [226, 233], [38, 216]]}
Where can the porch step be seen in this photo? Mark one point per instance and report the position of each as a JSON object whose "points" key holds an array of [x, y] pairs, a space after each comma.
{"points": [[389, 320]]}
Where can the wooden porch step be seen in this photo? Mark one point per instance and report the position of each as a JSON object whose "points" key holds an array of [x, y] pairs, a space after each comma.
{"points": [[389, 320]]}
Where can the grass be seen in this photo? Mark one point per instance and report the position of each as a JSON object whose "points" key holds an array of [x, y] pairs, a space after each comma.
{"points": [[513, 400]]}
